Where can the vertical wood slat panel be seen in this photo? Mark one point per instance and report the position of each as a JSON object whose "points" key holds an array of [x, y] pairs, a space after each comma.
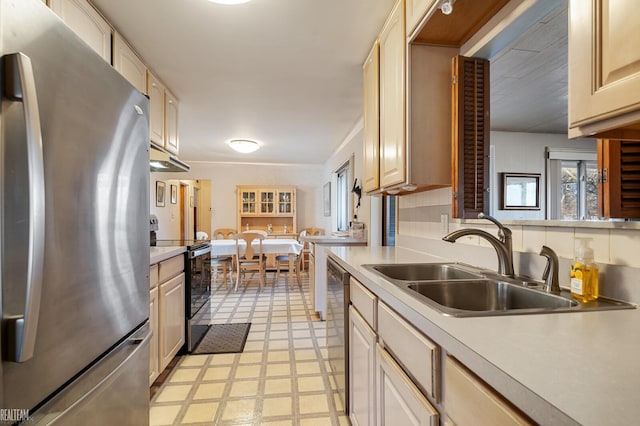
{"points": [[470, 145]]}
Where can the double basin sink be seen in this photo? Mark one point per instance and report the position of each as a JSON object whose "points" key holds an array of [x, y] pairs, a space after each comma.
{"points": [[463, 291]]}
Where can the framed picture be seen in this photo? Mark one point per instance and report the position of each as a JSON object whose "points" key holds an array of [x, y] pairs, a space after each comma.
{"points": [[160, 189], [326, 198], [520, 191], [174, 194]]}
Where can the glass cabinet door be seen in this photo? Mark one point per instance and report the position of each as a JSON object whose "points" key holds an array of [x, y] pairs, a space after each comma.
{"points": [[267, 200], [285, 202], [248, 202]]}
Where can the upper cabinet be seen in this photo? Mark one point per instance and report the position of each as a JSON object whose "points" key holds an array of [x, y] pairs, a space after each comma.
{"points": [[604, 69], [392, 100], [171, 142], [127, 63], [416, 10], [155, 90], [267, 207], [371, 116], [87, 23]]}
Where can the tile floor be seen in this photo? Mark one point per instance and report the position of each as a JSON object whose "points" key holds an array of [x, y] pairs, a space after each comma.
{"points": [[280, 379]]}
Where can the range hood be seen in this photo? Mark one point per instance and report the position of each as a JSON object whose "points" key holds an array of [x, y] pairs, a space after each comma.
{"points": [[161, 161]]}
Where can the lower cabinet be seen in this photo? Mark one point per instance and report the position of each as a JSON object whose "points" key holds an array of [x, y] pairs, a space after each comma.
{"points": [[154, 363], [399, 400], [362, 369], [171, 319]]}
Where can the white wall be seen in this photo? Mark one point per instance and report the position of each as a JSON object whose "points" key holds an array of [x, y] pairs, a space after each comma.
{"points": [[225, 177], [525, 153], [169, 215], [350, 148]]}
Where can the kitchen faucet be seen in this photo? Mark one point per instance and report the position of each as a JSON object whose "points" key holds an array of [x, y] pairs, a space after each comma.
{"points": [[502, 244], [550, 275]]}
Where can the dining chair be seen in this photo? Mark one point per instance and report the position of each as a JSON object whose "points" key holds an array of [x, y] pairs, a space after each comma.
{"points": [[226, 263], [201, 235], [305, 250], [248, 258], [283, 260], [224, 234]]}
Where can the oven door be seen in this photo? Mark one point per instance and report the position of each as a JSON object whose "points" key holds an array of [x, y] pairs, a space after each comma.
{"points": [[199, 276]]}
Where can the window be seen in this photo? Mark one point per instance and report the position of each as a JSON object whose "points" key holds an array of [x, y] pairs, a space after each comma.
{"points": [[573, 184], [342, 197], [389, 220]]}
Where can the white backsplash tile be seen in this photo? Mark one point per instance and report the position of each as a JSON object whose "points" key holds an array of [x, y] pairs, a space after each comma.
{"points": [[600, 243], [625, 247], [560, 240], [533, 238]]}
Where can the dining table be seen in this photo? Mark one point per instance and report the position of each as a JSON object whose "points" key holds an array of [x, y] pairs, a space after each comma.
{"points": [[277, 246]]}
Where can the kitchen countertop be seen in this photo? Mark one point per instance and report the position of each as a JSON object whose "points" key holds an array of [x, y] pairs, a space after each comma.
{"points": [[330, 240], [563, 368], [158, 254]]}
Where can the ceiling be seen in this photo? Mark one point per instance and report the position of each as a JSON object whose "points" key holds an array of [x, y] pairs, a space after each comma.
{"points": [[288, 73]]}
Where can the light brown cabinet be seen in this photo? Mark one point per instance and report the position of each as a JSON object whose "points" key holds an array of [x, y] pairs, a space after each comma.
{"points": [[618, 188], [416, 10], [154, 360], [87, 23], [392, 99], [127, 63], [155, 90], [171, 319], [371, 118], [259, 207], [469, 401], [604, 69], [171, 141], [362, 369]]}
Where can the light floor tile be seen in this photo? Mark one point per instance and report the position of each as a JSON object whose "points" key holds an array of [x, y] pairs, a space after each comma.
{"points": [[309, 404], [276, 407], [248, 371], [174, 393], [304, 354], [274, 386], [308, 367], [242, 388], [222, 359], [278, 335], [251, 357], [254, 346], [278, 370], [316, 421], [194, 361], [240, 410], [310, 384], [209, 391], [163, 415], [198, 413], [184, 375], [278, 344], [278, 356], [217, 373]]}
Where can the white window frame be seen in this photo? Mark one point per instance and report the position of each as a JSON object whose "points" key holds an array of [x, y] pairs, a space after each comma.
{"points": [[553, 174]]}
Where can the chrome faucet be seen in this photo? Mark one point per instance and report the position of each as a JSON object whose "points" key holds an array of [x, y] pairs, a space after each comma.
{"points": [[550, 275], [502, 244]]}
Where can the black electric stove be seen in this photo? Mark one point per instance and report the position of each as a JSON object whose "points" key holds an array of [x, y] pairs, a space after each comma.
{"points": [[189, 244]]}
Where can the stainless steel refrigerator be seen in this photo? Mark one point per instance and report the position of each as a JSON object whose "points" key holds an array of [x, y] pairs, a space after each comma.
{"points": [[74, 178]]}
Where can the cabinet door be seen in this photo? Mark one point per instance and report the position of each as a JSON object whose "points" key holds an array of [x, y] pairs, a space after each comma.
{"points": [[87, 23], [470, 136], [267, 202], [171, 319], [416, 10], [371, 115], [171, 123], [127, 63], [362, 370], [399, 401], [248, 202], [604, 65], [619, 188], [285, 203], [392, 99], [154, 360], [155, 90]]}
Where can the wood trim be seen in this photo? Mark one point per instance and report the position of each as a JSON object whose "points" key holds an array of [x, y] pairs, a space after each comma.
{"points": [[619, 186]]}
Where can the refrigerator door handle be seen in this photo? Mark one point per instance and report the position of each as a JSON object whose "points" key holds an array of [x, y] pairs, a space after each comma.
{"points": [[19, 86]]}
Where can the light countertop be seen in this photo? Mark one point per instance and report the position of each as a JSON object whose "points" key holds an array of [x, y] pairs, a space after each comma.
{"points": [[332, 240], [158, 254], [563, 368]]}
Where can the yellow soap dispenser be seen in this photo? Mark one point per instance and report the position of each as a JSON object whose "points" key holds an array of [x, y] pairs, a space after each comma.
{"points": [[584, 272]]}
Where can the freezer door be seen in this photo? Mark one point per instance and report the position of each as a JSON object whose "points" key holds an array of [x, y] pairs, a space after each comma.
{"points": [[95, 150]]}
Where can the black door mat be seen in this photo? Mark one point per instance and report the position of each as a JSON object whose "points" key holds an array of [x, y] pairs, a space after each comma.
{"points": [[223, 339]]}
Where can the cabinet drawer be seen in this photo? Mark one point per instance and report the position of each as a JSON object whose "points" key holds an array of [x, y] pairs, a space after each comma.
{"points": [[170, 268], [419, 356], [469, 401], [364, 301], [153, 276], [399, 401]]}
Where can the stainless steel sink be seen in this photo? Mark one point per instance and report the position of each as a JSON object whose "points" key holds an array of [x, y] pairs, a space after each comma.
{"points": [[424, 271], [488, 296], [464, 291]]}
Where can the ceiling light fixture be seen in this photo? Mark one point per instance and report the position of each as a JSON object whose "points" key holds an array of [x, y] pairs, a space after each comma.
{"points": [[447, 6], [229, 1], [243, 146]]}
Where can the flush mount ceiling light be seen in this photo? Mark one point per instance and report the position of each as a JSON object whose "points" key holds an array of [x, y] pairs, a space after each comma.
{"points": [[229, 1], [447, 6], [243, 146]]}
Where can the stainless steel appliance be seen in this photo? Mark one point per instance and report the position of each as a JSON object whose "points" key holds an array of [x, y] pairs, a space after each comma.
{"points": [[197, 288], [338, 327], [74, 242]]}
